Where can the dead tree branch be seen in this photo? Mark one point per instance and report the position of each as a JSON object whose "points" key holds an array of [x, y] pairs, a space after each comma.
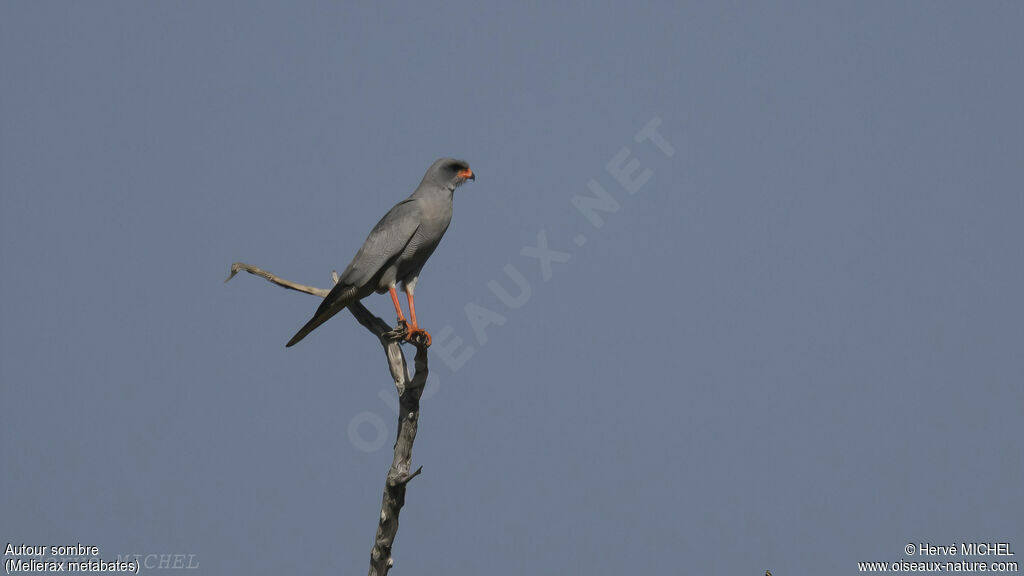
{"points": [[409, 388]]}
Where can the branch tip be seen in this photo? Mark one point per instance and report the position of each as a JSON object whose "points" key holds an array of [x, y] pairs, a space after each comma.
{"points": [[405, 479], [234, 270]]}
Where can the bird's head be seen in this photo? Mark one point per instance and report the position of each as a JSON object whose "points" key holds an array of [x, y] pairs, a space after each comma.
{"points": [[449, 173]]}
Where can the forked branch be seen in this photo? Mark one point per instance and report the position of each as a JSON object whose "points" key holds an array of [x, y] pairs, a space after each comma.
{"points": [[409, 388]]}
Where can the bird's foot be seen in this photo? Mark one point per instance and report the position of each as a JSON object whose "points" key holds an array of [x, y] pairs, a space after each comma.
{"points": [[398, 333], [418, 336], [415, 335]]}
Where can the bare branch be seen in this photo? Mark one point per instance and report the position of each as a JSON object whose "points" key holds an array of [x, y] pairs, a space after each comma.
{"points": [[243, 267], [409, 388], [409, 392], [370, 321], [405, 479]]}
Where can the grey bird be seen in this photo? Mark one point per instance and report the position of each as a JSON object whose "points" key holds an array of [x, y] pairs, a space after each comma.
{"points": [[397, 248]]}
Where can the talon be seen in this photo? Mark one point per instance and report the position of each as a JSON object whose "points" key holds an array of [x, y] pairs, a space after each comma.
{"points": [[413, 333], [399, 332]]}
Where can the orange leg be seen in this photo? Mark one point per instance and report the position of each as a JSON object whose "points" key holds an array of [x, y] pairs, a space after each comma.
{"points": [[412, 312], [414, 328], [398, 307]]}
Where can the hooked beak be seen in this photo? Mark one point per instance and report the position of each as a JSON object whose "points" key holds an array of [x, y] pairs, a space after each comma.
{"points": [[466, 174]]}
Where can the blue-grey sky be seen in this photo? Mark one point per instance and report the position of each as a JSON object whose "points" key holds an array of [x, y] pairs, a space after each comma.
{"points": [[798, 345]]}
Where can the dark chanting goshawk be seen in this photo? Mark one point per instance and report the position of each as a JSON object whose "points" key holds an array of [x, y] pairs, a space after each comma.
{"points": [[397, 248]]}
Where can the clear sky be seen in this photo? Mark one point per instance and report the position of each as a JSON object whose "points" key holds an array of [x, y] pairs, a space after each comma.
{"points": [[797, 344]]}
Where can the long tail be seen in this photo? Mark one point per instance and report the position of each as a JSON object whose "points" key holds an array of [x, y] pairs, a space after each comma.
{"points": [[335, 302], [309, 327]]}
